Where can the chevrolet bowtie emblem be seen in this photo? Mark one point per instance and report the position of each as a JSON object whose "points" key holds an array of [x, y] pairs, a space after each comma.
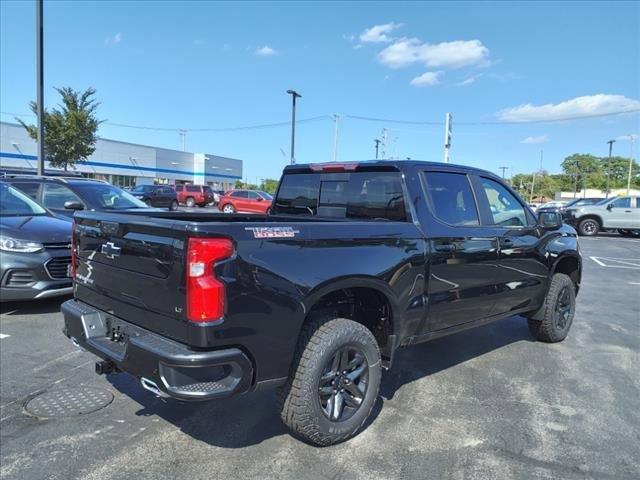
{"points": [[110, 250]]}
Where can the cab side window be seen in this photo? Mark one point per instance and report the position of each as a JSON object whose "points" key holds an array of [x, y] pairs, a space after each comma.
{"points": [[622, 202], [506, 209], [240, 194], [54, 196], [451, 198]]}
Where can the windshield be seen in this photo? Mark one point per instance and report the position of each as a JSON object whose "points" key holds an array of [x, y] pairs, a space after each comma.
{"points": [[605, 200], [578, 202], [108, 197], [15, 203], [142, 188]]}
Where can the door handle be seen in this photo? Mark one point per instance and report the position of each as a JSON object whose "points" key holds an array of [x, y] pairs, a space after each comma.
{"points": [[445, 247], [506, 242]]}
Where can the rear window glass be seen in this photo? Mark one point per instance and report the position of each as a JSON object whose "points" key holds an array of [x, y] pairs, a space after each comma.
{"points": [[359, 195]]}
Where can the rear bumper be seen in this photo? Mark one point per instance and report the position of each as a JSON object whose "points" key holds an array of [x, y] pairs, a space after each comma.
{"points": [[175, 369]]}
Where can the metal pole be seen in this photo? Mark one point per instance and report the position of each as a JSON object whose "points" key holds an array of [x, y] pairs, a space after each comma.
{"points": [[336, 119], [40, 84], [377, 142], [294, 95], [183, 138], [503, 169], [610, 142], [533, 182], [447, 137], [631, 140]]}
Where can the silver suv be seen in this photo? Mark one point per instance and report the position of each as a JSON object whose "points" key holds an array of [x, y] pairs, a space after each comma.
{"points": [[618, 213]]}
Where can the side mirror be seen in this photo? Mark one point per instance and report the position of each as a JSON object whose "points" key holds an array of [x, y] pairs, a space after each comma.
{"points": [[550, 220], [73, 205], [610, 206], [260, 199]]}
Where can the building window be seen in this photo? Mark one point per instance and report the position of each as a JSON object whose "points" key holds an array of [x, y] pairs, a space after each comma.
{"points": [[123, 181]]}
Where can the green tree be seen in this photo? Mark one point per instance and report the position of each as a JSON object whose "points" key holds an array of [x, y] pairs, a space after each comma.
{"points": [[69, 129], [269, 185]]}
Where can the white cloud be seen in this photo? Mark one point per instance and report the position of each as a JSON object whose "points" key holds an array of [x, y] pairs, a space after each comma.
{"points": [[625, 138], [576, 107], [469, 80], [379, 33], [265, 51], [540, 139], [112, 40], [427, 79], [456, 54]]}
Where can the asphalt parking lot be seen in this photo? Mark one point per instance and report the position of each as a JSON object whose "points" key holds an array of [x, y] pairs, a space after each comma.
{"points": [[485, 403]]}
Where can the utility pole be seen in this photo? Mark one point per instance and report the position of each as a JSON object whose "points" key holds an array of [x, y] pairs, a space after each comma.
{"points": [[503, 170], [447, 136], [377, 142], [610, 142], [40, 84], [183, 138], [533, 182], [632, 139], [336, 119], [294, 95], [385, 138]]}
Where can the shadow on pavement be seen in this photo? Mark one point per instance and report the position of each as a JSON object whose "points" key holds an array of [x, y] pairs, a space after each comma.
{"points": [[253, 418], [33, 307]]}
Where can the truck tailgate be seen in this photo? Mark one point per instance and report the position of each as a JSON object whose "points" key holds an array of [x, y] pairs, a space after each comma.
{"points": [[134, 264]]}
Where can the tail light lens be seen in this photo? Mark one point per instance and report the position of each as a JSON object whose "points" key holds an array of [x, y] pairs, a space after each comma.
{"points": [[205, 293], [72, 273]]}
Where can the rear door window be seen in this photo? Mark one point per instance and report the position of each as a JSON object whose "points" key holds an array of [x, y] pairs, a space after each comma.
{"points": [[240, 194], [451, 198], [193, 188], [622, 202]]}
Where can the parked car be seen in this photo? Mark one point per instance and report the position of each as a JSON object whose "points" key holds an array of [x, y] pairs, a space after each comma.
{"points": [[35, 249], [552, 204], [156, 196], [245, 201], [618, 213], [192, 195], [63, 195], [563, 206], [354, 261]]}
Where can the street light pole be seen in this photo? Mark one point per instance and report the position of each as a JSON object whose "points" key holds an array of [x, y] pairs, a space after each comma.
{"points": [[336, 119], [294, 95], [40, 85], [610, 142], [631, 140], [377, 142]]}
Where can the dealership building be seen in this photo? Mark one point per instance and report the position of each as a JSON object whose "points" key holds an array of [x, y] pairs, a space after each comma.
{"points": [[125, 164]]}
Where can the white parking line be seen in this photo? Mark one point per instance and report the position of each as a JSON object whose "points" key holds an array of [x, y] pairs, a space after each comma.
{"points": [[611, 262], [634, 283], [3, 335]]}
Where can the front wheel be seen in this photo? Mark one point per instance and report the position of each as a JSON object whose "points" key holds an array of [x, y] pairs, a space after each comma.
{"points": [[588, 227], [228, 208], [559, 310], [334, 381], [190, 202]]}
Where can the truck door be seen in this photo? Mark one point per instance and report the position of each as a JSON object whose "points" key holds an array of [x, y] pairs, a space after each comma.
{"points": [[619, 214], [463, 256], [522, 272]]}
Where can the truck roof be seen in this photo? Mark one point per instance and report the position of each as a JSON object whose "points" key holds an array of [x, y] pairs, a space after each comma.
{"points": [[399, 164]]}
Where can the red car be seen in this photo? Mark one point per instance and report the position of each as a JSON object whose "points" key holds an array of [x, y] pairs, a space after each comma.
{"points": [[245, 201], [191, 195]]}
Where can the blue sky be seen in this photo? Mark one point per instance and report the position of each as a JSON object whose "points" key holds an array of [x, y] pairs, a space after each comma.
{"points": [[198, 65]]}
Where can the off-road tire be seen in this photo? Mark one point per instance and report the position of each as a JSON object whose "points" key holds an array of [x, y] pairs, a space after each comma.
{"points": [[589, 227], [549, 329], [299, 403]]}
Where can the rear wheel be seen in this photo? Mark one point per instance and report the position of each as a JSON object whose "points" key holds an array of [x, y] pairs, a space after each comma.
{"points": [[588, 227], [629, 233], [174, 205], [228, 208], [334, 381], [190, 202], [559, 310]]}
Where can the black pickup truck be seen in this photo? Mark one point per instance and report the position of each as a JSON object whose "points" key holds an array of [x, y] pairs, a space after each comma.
{"points": [[354, 261]]}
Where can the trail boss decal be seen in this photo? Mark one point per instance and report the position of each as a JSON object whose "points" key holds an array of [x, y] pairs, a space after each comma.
{"points": [[273, 232]]}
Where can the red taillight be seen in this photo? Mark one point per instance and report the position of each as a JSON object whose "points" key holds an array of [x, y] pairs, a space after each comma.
{"points": [[205, 293], [73, 250]]}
